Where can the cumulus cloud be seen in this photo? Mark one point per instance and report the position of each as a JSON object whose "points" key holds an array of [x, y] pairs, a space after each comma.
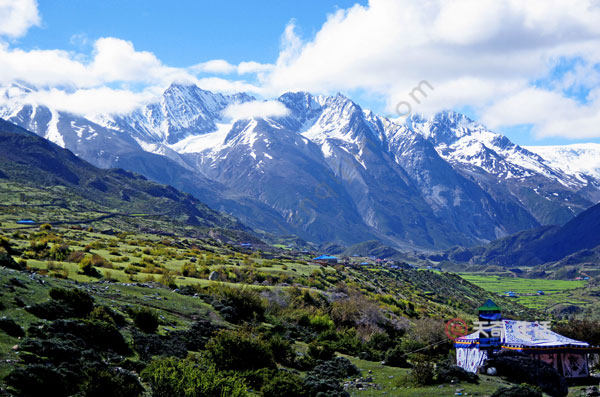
{"points": [[113, 60], [220, 66], [214, 66], [550, 113], [476, 53], [254, 67], [252, 109], [17, 16]]}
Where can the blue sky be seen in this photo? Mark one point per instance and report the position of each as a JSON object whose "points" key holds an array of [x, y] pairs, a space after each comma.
{"points": [[180, 33], [495, 60]]}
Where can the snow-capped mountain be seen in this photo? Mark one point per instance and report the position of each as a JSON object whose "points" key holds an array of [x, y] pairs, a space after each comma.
{"points": [[182, 110], [580, 160], [328, 170], [499, 166]]}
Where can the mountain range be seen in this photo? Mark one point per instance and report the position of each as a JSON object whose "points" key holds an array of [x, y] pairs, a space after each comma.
{"points": [[574, 245], [328, 170]]}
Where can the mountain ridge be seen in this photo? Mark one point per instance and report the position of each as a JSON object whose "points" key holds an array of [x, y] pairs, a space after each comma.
{"points": [[330, 171]]}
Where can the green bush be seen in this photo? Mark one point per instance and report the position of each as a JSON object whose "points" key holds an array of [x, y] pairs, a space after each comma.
{"points": [[239, 350], [188, 378], [321, 322], [284, 384], [422, 373], [106, 314], [11, 328], [324, 379], [65, 303], [237, 304], [116, 383], [86, 268], [282, 350], [145, 319], [59, 252], [7, 261], [37, 380], [396, 357], [320, 350], [447, 372], [523, 390], [79, 301]]}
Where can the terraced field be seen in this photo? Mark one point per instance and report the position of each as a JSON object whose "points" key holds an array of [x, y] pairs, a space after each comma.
{"points": [[555, 292]]}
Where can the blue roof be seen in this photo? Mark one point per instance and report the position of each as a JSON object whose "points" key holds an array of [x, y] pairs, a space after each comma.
{"points": [[26, 221], [324, 257]]}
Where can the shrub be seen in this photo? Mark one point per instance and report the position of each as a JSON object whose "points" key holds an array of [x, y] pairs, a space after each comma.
{"points": [[59, 252], [36, 380], [447, 372], [167, 279], [189, 270], [239, 350], [38, 245], [175, 343], [284, 384], [237, 304], [117, 382], [85, 334], [422, 373], [396, 357], [355, 310], [320, 350], [580, 329], [65, 303], [187, 378], [86, 268], [337, 368], [11, 328], [321, 322], [282, 349], [80, 302], [523, 390], [106, 314], [76, 256], [145, 319], [324, 379], [131, 270], [7, 261]]}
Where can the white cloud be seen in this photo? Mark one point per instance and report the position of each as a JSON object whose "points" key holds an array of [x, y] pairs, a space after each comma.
{"points": [[17, 16], [551, 114], [254, 67], [93, 101], [477, 53], [252, 109], [229, 86], [219, 66], [113, 60]]}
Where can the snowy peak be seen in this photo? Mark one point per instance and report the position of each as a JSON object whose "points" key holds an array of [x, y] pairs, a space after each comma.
{"points": [[182, 111], [581, 159], [447, 127], [460, 140]]}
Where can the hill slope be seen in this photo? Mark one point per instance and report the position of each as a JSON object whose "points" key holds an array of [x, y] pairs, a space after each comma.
{"points": [[538, 246], [28, 160]]}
